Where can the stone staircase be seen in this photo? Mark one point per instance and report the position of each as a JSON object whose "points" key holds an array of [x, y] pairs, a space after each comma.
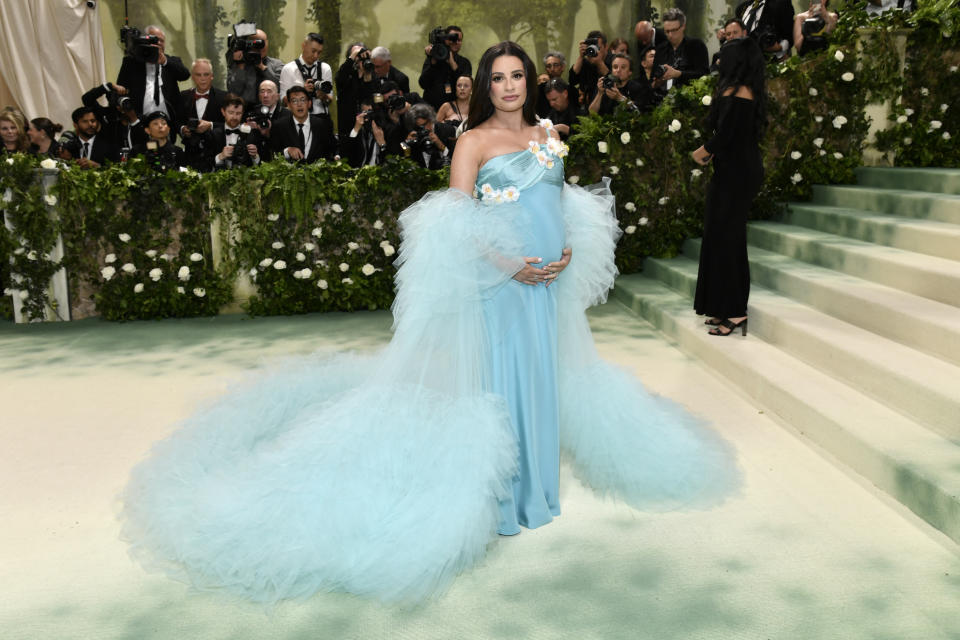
{"points": [[854, 333]]}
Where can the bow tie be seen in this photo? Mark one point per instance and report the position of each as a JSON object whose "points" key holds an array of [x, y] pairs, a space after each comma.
{"points": [[233, 131], [197, 96]]}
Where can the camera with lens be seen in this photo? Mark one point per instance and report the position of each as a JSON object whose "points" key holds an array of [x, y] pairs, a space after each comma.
{"points": [[70, 142], [440, 42], [423, 141], [193, 124], [143, 48], [161, 158], [658, 71], [117, 101], [259, 116], [363, 61], [593, 47], [243, 39], [610, 81]]}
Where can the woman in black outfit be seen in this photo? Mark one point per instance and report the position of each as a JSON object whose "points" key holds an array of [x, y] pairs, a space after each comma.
{"points": [[738, 117]]}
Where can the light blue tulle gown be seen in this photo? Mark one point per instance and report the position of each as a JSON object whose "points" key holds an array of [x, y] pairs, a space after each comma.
{"points": [[388, 475]]}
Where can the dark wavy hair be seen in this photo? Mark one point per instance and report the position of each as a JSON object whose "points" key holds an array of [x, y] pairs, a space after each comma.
{"points": [[481, 107], [742, 64]]}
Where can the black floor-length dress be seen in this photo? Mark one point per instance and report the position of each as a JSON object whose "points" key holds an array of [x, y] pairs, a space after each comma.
{"points": [[723, 280]]}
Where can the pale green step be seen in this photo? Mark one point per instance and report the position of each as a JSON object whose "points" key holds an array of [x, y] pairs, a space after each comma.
{"points": [[918, 179], [929, 326], [910, 204], [927, 276], [914, 383], [913, 464], [930, 237]]}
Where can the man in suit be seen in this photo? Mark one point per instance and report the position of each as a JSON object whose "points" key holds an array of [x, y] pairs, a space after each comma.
{"points": [[770, 23], [309, 72], [159, 151], [243, 79], [647, 35], [438, 78], [303, 136], [684, 59], [153, 85], [236, 143], [199, 109], [119, 123], [383, 69], [95, 149], [269, 95]]}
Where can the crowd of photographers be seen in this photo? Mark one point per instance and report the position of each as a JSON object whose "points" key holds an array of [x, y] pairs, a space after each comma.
{"points": [[271, 109]]}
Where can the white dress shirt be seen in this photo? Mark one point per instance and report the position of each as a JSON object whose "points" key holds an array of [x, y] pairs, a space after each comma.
{"points": [[149, 106], [290, 76], [307, 136]]}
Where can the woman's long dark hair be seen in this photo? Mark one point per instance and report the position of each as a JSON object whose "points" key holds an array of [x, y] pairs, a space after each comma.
{"points": [[742, 64], [47, 126], [481, 107]]}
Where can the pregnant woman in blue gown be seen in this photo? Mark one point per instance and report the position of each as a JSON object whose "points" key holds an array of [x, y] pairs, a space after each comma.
{"points": [[388, 475]]}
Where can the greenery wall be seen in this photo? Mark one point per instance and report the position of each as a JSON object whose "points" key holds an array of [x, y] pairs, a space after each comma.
{"points": [[322, 237]]}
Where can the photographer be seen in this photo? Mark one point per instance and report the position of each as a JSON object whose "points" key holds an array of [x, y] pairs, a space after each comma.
{"points": [[238, 143], [355, 82], [269, 95], [396, 104], [811, 27], [366, 143], [770, 23], [733, 29], [554, 63], [303, 136], [590, 66], [618, 89], [308, 72], [158, 151], [383, 69], [119, 121], [248, 63], [679, 58], [89, 149], [424, 143], [563, 110], [150, 75], [443, 65], [200, 106]]}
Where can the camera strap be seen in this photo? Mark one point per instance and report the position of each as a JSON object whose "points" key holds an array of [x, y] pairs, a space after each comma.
{"points": [[307, 72]]}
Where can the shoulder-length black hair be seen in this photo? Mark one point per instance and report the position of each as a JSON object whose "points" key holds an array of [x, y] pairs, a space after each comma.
{"points": [[481, 107], [742, 64]]}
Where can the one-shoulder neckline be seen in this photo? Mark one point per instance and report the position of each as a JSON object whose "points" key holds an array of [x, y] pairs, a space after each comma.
{"points": [[500, 155]]}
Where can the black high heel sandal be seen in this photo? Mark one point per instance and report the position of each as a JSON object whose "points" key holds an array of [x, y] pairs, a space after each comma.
{"points": [[732, 326]]}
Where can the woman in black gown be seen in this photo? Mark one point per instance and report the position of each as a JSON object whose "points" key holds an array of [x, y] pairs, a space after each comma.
{"points": [[738, 118]]}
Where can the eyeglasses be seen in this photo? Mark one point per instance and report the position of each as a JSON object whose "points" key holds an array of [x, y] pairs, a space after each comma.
{"points": [[672, 30], [298, 101]]}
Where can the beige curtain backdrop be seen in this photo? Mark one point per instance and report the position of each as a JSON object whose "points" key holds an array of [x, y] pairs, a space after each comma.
{"points": [[51, 53]]}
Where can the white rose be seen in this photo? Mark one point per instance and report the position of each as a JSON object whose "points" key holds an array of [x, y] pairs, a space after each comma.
{"points": [[796, 178], [639, 162], [573, 179], [309, 246], [674, 126], [9, 160], [838, 155], [47, 163], [602, 147], [156, 274], [908, 141], [24, 294], [181, 290], [138, 288], [128, 268], [347, 281], [110, 258], [322, 284], [279, 265], [166, 257], [818, 119], [32, 255], [317, 232], [946, 135], [838, 55], [266, 262], [696, 133], [944, 107], [630, 206], [795, 155], [847, 77], [108, 272], [124, 237], [378, 225], [614, 170], [625, 137], [908, 111], [19, 251], [253, 272], [196, 257], [818, 142], [277, 245], [352, 246], [935, 124], [839, 121], [664, 200], [273, 217], [50, 199], [629, 230], [336, 208], [706, 101], [344, 267], [305, 273], [822, 153], [300, 257], [368, 269], [924, 91], [643, 221], [813, 91], [388, 250], [953, 69], [199, 292], [152, 253], [184, 273], [696, 173], [901, 119], [296, 274]]}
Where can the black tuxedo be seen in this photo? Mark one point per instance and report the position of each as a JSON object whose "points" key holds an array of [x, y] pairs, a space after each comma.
{"points": [[218, 136], [776, 19], [133, 76], [211, 113], [111, 125], [323, 144], [103, 149], [400, 78], [690, 58]]}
